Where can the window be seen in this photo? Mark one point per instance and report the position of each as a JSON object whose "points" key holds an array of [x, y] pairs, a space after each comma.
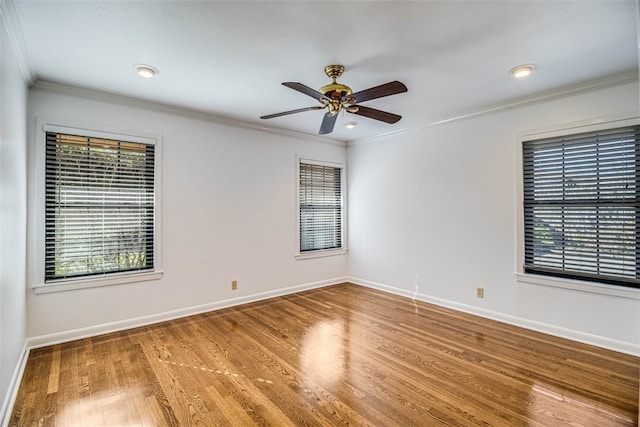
{"points": [[581, 206], [99, 206], [320, 203]]}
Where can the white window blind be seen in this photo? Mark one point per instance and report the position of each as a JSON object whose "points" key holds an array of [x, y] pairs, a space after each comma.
{"points": [[99, 207], [320, 207], [581, 206]]}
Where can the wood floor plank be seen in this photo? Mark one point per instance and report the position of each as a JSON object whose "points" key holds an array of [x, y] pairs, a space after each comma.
{"points": [[340, 355]]}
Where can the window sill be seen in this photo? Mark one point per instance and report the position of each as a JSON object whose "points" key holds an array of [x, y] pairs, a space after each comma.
{"points": [[575, 285], [85, 283], [320, 254]]}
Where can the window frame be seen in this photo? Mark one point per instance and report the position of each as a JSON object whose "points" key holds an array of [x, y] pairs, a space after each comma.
{"points": [[301, 255], [575, 284], [37, 279]]}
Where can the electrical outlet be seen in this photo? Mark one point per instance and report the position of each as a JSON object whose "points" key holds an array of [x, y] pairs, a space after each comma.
{"points": [[234, 285], [480, 292]]}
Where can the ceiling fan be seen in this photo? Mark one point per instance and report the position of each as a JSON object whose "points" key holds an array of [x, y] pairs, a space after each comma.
{"points": [[336, 97]]}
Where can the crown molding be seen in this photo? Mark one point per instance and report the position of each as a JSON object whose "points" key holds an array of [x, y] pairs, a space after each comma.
{"points": [[541, 97], [9, 17], [117, 99]]}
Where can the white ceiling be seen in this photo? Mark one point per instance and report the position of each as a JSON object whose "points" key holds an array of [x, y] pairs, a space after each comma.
{"points": [[229, 58]]}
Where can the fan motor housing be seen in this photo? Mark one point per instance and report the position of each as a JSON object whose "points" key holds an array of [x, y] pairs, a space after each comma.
{"points": [[335, 90]]}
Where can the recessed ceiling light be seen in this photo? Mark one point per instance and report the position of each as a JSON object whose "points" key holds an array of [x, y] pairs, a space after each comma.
{"points": [[146, 71], [351, 124], [522, 70]]}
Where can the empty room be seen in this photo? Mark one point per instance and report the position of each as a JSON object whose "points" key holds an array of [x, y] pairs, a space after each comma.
{"points": [[319, 213]]}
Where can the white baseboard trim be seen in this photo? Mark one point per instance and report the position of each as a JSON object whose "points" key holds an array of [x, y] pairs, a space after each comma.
{"points": [[14, 385], [599, 341], [92, 331]]}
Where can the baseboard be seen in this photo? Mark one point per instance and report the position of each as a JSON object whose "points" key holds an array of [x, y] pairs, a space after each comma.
{"points": [[14, 385], [92, 331], [599, 341]]}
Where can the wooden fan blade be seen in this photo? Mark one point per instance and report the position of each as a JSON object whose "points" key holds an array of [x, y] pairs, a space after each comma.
{"points": [[328, 122], [306, 90], [372, 113], [286, 113], [386, 89]]}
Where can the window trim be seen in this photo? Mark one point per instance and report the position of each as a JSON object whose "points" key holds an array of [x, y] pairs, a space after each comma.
{"points": [[37, 267], [343, 206], [588, 125]]}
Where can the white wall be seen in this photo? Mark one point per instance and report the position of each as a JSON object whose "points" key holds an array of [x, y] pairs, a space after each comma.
{"points": [[228, 213], [13, 208], [435, 208]]}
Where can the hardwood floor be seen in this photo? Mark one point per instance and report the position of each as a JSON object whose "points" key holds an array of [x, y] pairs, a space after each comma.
{"points": [[341, 355]]}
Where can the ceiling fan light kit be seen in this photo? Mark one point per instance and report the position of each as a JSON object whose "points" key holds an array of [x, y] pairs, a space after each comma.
{"points": [[336, 97]]}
